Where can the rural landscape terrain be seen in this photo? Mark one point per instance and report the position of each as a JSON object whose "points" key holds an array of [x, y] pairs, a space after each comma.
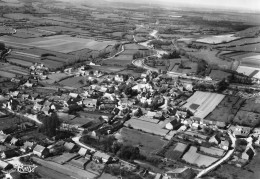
{"points": [[111, 89]]}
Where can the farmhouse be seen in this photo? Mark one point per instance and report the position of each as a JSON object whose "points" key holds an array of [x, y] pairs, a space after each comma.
{"points": [[101, 157], [90, 103], [240, 130], [41, 151]]}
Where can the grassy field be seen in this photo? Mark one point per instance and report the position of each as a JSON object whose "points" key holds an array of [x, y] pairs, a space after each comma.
{"points": [[210, 56], [226, 110], [147, 143]]}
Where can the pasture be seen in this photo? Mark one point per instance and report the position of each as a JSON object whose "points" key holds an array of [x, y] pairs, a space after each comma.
{"points": [[205, 103]]}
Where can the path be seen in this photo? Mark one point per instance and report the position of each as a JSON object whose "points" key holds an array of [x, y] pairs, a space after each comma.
{"points": [[118, 53], [226, 157]]}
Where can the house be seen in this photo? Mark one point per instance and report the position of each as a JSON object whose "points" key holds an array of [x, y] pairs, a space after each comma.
{"points": [[101, 157], [14, 141], [27, 146], [248, 154], [119, 78], [224, 144], [158, 176], [41, 151], [5, 166], [4, 138], [69, 146], [240, 131], [83, 152], [90, 103], [183, 173], [173, 125], [8, 154], [215, 140]]}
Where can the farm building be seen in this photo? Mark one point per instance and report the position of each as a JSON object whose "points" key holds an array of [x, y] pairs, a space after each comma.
{"points": [[5, 166], [203, 103]]}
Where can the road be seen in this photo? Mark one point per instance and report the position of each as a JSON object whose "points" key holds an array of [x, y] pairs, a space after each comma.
{"points": [[118, 53], [76, 140], [226, 157]]}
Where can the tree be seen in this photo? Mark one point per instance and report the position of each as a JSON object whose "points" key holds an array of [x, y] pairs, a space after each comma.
{"points": [[2, 46], [49, 124]]}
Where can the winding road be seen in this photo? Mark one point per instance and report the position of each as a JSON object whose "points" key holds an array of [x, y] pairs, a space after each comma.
{"points": [[226, 157]]}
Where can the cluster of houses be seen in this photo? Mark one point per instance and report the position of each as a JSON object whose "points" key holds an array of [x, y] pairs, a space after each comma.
{"points": [[151, 103]]}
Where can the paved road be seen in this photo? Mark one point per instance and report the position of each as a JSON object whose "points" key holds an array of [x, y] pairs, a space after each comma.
{"points": [[226, 157]]}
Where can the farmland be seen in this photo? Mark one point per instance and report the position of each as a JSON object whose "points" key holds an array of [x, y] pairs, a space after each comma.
{"points": [[73, 82], [197, 159], [205, 102], [226, 110], [146, 142], [218, 39]]}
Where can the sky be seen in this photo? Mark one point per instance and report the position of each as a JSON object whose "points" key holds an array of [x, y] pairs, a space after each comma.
{"points": [[244, 5], [252, 5]]}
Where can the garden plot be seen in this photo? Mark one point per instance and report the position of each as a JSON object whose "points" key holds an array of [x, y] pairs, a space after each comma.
{"points": [[197, 159], [203, 103]]}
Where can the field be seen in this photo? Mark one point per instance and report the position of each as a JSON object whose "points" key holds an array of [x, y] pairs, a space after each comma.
{"points": [[217, 39], [147, 143], [249, 71], [246, 118], [200, 160], [73, 82], [210, 56], [226, 109], [240, 42], [146, 127], [19, 62], [205, 103], [61, 43], [246, 48]]}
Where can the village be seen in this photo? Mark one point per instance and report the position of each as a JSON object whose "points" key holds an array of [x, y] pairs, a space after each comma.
{"points": [[154, 126]]}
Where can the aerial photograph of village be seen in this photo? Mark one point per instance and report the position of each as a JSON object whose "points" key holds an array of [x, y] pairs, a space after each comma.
{"points": [[129, 89]]}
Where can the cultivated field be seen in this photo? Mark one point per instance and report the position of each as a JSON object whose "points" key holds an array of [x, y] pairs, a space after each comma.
{"points": [[200, 160], [249, 71], [202, 103], [218, 39], [146, 127], [147, 143]]}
